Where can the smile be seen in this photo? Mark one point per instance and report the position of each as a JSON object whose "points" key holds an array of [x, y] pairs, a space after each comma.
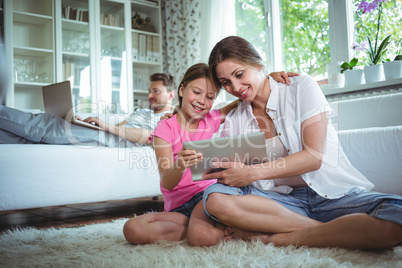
{"points": [[198, 108], [243, 92]]}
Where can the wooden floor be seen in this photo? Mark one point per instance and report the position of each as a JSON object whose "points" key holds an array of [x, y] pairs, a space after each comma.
{"points": [[77, 215]]}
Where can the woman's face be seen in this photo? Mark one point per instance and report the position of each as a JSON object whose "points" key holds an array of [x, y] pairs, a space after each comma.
{"points": [[198, 97], [241, 81]]}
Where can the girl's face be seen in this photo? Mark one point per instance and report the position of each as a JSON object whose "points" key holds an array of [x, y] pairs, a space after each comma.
{"points": [[198, 97], [241, 81]]}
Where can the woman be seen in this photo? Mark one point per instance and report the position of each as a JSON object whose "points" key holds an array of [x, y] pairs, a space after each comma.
{"points": [[308, 172]]}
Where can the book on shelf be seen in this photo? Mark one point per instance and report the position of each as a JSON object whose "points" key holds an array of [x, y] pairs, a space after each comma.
{"points": [[155, 49], [112, 20], [150, 54], [134, 39], [77, 14], [142, 47]]}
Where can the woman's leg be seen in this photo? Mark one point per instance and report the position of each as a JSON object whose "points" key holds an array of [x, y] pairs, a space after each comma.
{"points": [[153, 227], [202, 230], [251, 209], [366, 220]]}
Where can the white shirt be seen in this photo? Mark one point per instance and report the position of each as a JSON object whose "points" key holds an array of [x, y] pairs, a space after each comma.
{"points": [[288, 107]]}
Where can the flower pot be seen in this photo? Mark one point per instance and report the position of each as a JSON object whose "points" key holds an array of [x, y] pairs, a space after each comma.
{"points": [[354, 77], [373, 73], [393, 69]]}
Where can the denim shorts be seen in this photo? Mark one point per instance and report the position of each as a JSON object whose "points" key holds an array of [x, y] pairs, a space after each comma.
{"points": [[307, 202], [188, 207]]}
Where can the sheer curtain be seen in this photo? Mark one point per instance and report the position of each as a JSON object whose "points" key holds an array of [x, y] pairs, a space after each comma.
{"points": [[181, 23], [190, 31], [218, 21]]}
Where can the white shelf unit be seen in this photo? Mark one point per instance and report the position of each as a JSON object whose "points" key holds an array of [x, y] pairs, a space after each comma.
{"points": [[89, 42], [146, 48]]}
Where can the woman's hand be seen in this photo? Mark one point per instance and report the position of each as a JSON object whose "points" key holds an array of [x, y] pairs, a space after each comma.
{"points": [[236, 174], [188, 158], [283, 77], [166, 116]]}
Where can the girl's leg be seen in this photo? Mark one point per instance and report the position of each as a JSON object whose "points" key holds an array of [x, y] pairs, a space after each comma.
{"points": [[153, 227], [202, 230]]}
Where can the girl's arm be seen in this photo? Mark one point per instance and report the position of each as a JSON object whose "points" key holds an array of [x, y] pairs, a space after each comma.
{"points": [[282, 77], [226, 109], [171, 171], [314, 131]]}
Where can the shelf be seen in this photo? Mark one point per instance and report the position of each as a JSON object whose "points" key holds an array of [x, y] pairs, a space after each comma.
{"points": [[145, 32], [112, 28], [139, 91], [33, 85], [147, 64], [74, 25], [32, 51], [30, 18], [75, 54], [145, 3]]}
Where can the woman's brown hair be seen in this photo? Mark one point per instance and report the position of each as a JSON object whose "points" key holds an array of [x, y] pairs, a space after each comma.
{"points": [[233, 48]]}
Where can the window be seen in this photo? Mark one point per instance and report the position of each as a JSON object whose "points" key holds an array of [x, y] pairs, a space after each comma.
{"points": [[391, 23], [304, 27], [303, 33]]}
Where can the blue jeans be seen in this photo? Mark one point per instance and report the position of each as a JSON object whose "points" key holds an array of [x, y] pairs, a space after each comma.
{"points": [[18, 127], [307, 202], [189, 206]]}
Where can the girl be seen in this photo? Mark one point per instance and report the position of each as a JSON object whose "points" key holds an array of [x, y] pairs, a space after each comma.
{"points": [[193, 121]]}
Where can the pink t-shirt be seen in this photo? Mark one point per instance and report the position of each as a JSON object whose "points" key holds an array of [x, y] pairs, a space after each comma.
{"points": [[170, 131]]}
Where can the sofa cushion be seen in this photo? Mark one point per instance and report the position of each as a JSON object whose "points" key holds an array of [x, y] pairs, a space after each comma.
{"points": [[377, 153]]}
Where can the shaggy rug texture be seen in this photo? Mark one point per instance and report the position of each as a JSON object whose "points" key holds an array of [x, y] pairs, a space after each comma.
{"points": [[103, 245]]}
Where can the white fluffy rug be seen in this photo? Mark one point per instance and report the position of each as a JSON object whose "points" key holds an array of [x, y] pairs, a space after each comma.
{"points": [[103, 245]]}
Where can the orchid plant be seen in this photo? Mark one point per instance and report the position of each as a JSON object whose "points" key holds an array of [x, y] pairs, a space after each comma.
{"points": [[374, 51]]}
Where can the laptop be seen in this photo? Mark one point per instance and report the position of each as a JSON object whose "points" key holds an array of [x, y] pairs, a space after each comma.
{"points": [[58, 101], [248, 149]]}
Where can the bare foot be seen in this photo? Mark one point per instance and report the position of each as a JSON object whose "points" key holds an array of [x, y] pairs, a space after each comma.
{"points": [[231, 232]]}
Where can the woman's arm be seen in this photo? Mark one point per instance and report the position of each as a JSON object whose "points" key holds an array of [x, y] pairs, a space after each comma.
{"points": [[314, 131], [171, 171]]}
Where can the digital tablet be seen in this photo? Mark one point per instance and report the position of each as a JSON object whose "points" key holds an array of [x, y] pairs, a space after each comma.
{"points": [[248, 149]]}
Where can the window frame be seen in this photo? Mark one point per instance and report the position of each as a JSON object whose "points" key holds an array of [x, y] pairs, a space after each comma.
{"points": [[341, 25]]}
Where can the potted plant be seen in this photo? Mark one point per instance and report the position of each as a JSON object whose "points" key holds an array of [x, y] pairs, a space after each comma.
{"points": [[393, 69], [375, 51], [353, 77]]}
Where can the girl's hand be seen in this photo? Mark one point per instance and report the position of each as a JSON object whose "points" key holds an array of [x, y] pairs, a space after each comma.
{"points": [[283, 77], [188, 158], [236, 174]]}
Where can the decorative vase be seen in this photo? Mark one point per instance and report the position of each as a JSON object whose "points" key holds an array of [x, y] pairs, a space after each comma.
{"points": [[393, 69], [373, 73], [354, 77]]}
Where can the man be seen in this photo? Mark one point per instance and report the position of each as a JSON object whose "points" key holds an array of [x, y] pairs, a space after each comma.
{"points": [[20, 127]]}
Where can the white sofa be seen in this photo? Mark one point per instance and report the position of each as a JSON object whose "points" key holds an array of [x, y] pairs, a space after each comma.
{"points": [[370, 131]]}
